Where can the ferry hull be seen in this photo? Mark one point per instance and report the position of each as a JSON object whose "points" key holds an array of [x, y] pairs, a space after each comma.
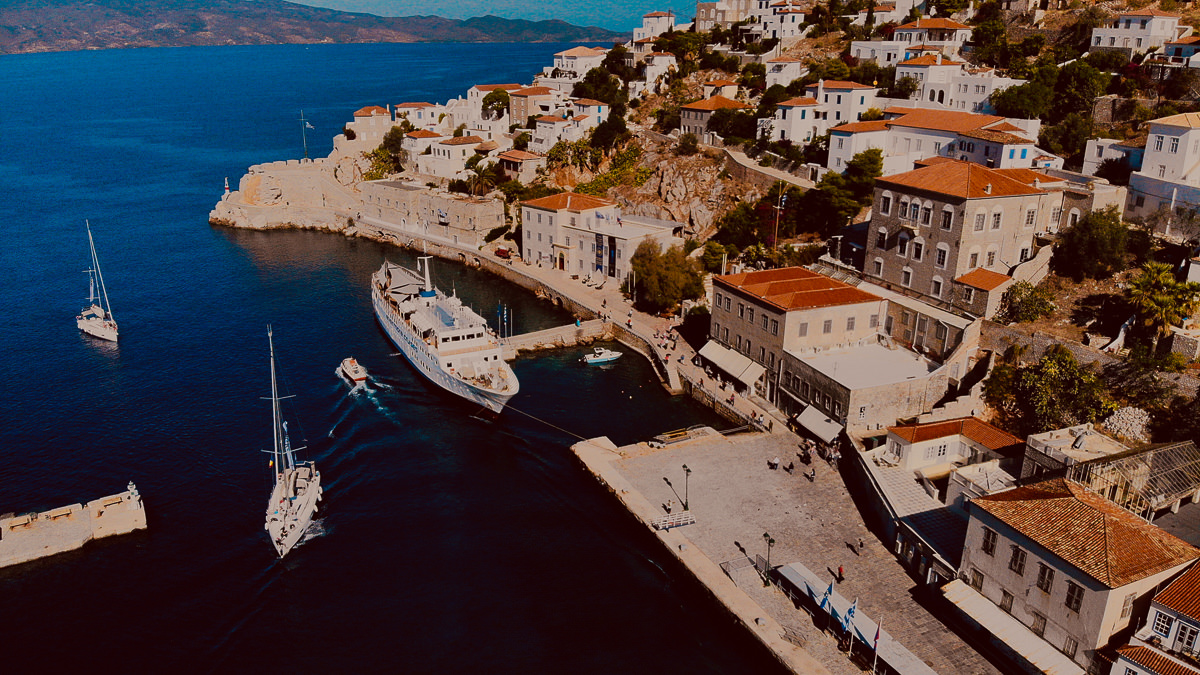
{"points": [[412, 349]]}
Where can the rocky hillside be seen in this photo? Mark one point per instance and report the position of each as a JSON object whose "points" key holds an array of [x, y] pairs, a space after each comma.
{"points": [[63, 25]]}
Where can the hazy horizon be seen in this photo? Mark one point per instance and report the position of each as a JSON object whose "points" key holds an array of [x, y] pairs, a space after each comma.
{"points": [[618, 15]]}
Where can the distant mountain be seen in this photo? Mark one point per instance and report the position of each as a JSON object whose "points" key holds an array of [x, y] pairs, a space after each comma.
{"points": [[64, 25]]}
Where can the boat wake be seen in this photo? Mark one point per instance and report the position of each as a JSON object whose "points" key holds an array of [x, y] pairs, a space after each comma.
{"points": [[316, 528]]}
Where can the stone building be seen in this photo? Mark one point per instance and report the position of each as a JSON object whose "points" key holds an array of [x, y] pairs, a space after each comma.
{"points": [[401, 207], [1060, 565], [693, 117], [931, 226]]}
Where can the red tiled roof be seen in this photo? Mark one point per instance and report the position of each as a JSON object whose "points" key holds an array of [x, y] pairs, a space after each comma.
{"points": [[931, 60], [533, 91], [1155, 662], [581, 51], [462, 140], [1028, 176], [997, 137], [966, 180], [783, 59], [590, 102], [1183, 594], [716, 103], [944, 120], [859, 127], [1005, 126], [977, 430], [421, 104], [934, 23], [841, 84], [370, 111], [423, 133], [797, 102], [552, 118], [1087, 531], [1192, 39], [796, 288], [655, 14], [720, 83], [984, 279], [518, 155], [570, 201]]}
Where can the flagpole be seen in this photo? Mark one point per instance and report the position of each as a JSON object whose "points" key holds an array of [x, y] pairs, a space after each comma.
{"points": [[878, 632], [304, 134], [850, 627]]}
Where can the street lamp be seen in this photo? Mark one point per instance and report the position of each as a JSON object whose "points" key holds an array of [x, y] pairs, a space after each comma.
{"points": [[686, 473], [770, 542]]}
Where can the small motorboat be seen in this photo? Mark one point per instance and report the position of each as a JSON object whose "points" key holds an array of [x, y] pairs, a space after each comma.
{"points": [[352, 370], [601, 355]]}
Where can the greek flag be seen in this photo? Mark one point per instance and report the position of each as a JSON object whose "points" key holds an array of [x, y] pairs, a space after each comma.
{"points": [[784, 200], [848, 620], [309, 125], [442, 214], [825, 598], [601, 216]]}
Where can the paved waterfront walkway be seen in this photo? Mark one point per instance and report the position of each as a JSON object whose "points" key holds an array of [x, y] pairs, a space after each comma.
{"points": [[736, 499]]}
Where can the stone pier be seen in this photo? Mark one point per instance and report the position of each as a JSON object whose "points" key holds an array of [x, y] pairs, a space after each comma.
{"points": [[30, 536]]}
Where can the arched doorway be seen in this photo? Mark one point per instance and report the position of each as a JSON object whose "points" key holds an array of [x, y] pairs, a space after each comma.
{"points": [[562, 261]]}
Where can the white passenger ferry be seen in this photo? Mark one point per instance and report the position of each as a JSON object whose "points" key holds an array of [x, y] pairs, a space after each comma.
{"points": [[447, 341]]}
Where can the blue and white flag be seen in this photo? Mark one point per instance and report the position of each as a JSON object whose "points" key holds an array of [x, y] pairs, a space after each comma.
{"points": [[309, 125], [848, 620], [601, 216], [828, 593], [442, 214]]}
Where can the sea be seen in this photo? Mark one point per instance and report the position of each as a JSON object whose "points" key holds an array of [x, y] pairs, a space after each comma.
{"points": [[445, 543]]}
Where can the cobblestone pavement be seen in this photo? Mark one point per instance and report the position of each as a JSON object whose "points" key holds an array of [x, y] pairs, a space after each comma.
{"points": [[736, 498]]}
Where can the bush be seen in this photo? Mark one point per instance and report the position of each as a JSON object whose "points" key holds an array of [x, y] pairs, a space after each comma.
{"points": [[1095, 247], [348, 133], [687, 145], [1023, 302], [495, 233]]}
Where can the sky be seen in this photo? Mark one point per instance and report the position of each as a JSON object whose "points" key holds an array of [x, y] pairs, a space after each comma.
{"points": [[620, 15]]}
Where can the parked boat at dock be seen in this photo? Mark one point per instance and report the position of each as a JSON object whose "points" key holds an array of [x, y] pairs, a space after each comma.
{"points": [[352, 370], [601, 355], [445, 340], [297, 484], [96, 319]]}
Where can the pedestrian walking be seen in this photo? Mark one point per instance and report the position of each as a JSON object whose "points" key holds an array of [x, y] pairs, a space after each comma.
{"points": [[812, 474], [861, 545], [841, 574]]}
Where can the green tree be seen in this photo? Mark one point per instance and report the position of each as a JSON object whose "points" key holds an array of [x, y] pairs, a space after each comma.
{"points": [[1095, 247], [1115, 170], [610, 133], [991, 40], [614, 62], [734, 124], [1027, 101], [664, 278], [1055, 392], [1068, 138], [687, 145], [713, 254], [1161, 300], [861, 172], [495, 104], [600, 85], [1076, 89], [1023, 302]]}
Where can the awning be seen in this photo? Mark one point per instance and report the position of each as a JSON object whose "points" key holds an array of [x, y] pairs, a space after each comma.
{"points": [[819, 424], [737, 365]]}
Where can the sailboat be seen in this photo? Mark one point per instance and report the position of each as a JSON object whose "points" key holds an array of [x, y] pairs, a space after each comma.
{"points": [[297, 484], [97, 319]]}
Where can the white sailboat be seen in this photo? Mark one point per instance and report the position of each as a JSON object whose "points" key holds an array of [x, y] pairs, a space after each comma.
{"points": [[96, 319], [297, 484]]}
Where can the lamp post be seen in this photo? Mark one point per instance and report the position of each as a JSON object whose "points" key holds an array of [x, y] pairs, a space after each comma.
{"points": [[686, 474], [767, 574]]}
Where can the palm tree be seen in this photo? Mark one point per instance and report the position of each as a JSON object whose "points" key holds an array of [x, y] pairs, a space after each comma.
{"points": [[1160, 300], [483, 179]]}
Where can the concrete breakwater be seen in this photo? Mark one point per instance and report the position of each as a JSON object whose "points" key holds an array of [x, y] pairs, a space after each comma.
{"points": [[30, 536]]}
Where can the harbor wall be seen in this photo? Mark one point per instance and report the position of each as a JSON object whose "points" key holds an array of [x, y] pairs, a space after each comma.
{"points": [[30, 536]]}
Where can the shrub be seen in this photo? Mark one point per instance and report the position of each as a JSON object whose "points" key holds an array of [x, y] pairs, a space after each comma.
{"points": [[687, 145]]}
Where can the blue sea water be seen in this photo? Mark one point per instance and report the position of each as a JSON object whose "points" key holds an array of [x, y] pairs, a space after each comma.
{"points": [[448, 544]]}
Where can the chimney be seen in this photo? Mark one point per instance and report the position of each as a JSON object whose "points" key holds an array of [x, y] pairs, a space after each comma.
{"points": [[987, 189], [1037, 184]]}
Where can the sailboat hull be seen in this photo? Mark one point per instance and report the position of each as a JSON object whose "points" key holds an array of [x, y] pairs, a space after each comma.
{"points": [[293, 504], [93, 322]]}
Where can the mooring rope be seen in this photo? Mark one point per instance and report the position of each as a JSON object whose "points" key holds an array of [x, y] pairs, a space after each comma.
{"points": [[549, 424]]}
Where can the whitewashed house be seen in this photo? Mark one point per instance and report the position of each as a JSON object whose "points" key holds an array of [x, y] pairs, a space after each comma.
{"points": [[782, 70], [654, 24], [945, 34], [1139, 31], [1170, 173]]}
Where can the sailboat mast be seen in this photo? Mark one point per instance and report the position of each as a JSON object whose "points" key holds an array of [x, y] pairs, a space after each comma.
{"points": [[99, 274], [274, 404]]}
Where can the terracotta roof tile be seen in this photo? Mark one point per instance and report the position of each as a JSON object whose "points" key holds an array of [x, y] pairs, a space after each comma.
{"points": [[589, 102], [859, 127], [552, 119], [371, 111], [783, 59], [931, 60], [1187, 120], [421, 104], [580, 51], [1155, 662], [934, 23], [716, 103], [945, 120], [793, 288], [966, 180], [494, 87], [519, 155], [984, 279], [1029, 176], [1090, 533], [533, 91], [994, 136], [570, 201], [797, 102], [1192, 39], [423, 133], [462, 140], [720, 83], [1005, 126], [841, 84], [656, 14], [1183, 594], [975, 429]]}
